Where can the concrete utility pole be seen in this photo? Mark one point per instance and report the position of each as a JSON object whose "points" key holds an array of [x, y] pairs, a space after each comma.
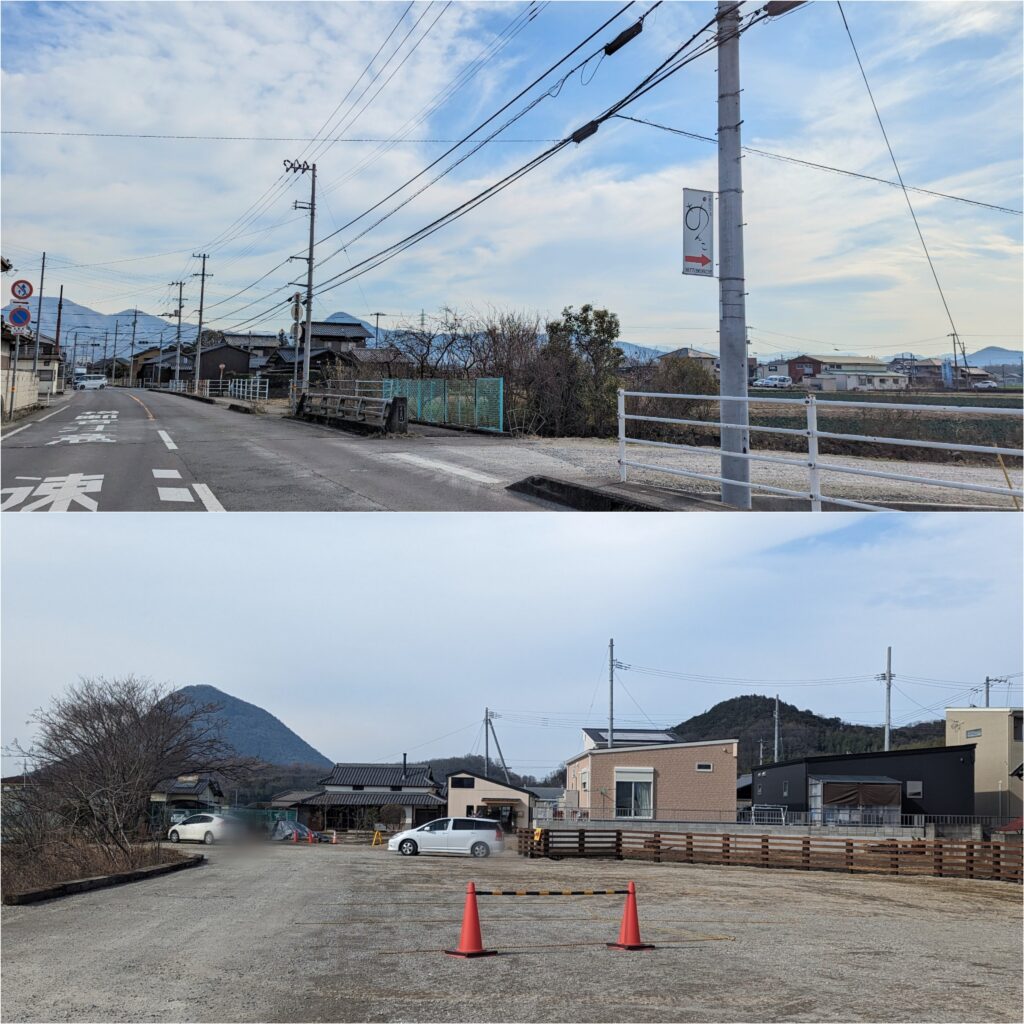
{"points": [[611, 692], [776, 727], [113, 355], [296, 316], [504, 766], [487, 745], [307, 339], [202, 275], [376, 330], [131, 357], [732, 328], [105, 336], [39, 317], [177, 353], [887, 676]]}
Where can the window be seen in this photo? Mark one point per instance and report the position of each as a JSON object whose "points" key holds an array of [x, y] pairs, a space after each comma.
{"points": [[973, 733], [437, 826], [634, 792], [705, 766], [915, 790], [585, 781], [1017, 720], [467, 782], [785, 788], [760, 789]]}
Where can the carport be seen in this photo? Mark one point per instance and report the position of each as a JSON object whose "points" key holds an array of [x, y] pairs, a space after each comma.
{"points": [[854, 799]]}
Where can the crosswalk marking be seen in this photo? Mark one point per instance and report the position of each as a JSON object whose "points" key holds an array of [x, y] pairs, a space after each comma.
{"points": [[207, 498], [166, 474], [175, 494], [165, 437]]}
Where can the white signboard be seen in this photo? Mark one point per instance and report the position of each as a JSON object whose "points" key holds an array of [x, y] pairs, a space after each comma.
{"points": [[698, 233]]}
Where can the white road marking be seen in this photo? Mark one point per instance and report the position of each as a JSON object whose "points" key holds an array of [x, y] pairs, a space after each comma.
{"points": [[17, 430], [166, 474], [28, 478], [447, 467], [175, 494], [207, 498], [165, 437], [49, 414], [61, 492]]}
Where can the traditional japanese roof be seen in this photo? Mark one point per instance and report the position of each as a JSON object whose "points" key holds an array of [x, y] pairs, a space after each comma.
{"points": [[376, 798], [379, 775]]}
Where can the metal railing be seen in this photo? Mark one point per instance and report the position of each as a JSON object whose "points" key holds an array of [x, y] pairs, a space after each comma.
{"points": [[812, 461], [250, 389]]}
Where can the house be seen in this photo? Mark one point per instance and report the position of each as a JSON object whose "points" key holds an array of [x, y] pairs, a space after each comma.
{"points": [[176, 797], [806, 366], [161, 369], [21, 377], [476, 796], [219, 362], [654, 781], [936, 374], [872, 788], [998, 752], [255, 343], [373, 363], [708, 360], [338, 335], [548, 802], [844, 380], [361, 795]]}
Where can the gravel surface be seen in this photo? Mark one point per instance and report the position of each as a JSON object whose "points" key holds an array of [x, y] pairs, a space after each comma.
{"points": [[355, 934], [597, 459]]}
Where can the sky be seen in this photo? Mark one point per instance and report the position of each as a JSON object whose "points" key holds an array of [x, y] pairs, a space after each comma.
{"points": [[371, 636], [832, 262]]}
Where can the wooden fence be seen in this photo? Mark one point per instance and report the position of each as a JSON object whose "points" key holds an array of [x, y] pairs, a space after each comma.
{"points": [[943, 858]]}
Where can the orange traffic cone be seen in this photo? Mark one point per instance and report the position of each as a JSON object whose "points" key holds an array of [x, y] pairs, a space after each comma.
{"points": [[629, 933], [470, 942], [309, 837], [295, 836]]}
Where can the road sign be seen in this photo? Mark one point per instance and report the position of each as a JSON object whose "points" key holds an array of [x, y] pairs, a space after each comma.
{"points": [[297, 310], [19, 316], [698, 233], [21, 330], [22, 289]]}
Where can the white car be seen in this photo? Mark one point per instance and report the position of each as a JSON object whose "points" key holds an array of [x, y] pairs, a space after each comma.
{"points": [[90, 382], [206, 828], [984, 385], [476, 837]]}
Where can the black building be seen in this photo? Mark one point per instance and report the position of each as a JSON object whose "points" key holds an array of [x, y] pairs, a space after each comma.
{"points": [[878, 786]]}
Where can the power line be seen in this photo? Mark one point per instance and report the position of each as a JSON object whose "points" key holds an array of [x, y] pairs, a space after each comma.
{"points": [[906, 194], [825, 167], [237, 138]]}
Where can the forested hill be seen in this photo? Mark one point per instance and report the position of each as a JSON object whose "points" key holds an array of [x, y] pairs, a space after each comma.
{"points": [[751, 719], [254, 732]]}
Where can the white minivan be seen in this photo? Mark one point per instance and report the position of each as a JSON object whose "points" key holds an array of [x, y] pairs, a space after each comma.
{"points": [[475, 837], [90, 381]]}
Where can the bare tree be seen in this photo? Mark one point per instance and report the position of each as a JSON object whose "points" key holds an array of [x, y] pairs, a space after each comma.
{"points": [[103, 746]]}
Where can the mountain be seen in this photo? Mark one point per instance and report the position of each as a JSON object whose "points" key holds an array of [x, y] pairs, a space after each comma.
{"points": [[639, 353], [750, 719], [254, 732], [995, 356], [91, 324]]}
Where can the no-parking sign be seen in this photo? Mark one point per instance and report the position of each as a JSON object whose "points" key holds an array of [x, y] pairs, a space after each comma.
{"points": [[19, 316], [22, 289]]}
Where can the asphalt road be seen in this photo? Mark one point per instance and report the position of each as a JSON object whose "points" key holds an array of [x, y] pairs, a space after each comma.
{"points": [[333, 933], [120, 451]]}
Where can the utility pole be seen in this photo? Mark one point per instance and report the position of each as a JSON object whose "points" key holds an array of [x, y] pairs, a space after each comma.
{"points": [[886, 677], [113, 355], [202, 275], [177, 355], [760, 751], [611, 692], [504, 766], [487, 745], [776, 727], [131, 357], [74, 354], [105, 335], [376, 331], [39, 318], [296, 316], [307, 339], [732, 329]]}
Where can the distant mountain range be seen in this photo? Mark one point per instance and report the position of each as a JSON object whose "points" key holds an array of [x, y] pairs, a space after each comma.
{"points": [[750, 719], [254, 732]]}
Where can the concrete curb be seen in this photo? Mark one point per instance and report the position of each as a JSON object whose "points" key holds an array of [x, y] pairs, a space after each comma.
{"points": [[194, 398], [52, 892], [588, 498]]}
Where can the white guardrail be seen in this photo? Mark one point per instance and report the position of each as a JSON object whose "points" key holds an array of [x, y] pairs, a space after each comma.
{"points": [[251, 389], [811, 462]]}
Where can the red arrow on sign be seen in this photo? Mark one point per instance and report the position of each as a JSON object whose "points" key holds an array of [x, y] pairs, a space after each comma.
{"points": [[702, 260]]}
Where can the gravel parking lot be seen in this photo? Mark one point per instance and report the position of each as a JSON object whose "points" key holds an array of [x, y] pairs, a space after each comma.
{"points": [[347, 934]]}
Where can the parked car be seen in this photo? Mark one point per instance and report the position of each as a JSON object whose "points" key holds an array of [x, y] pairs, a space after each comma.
{"points": [[476, 837], [777, 381], [985, 385], [761, 382], [207, 828], [90, 382]]}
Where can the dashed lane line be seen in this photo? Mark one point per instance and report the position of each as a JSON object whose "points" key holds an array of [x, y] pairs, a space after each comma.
{"points": [[446, 467], [166, 474], [18, 430], [166, 438], [175, 494], [206, 497]]}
